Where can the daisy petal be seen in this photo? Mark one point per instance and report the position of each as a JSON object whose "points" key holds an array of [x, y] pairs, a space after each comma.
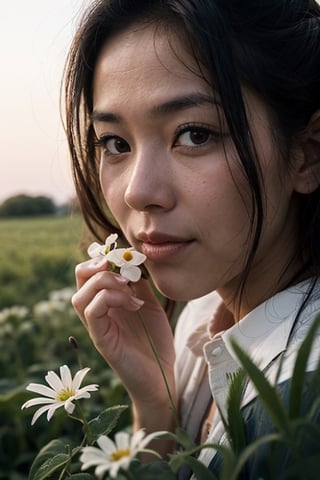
{"points": [[101, 469], [79, 376], [122, 440], [37, 401], [151, 437], [69, 406], [42, 389], [54, 381], [113, 470], [52, 409], [66, 376], [106, 444], [137, 437], [38, 413]]}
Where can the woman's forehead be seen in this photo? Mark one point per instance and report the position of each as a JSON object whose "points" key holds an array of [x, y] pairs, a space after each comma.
{"points": [[136, 47]]}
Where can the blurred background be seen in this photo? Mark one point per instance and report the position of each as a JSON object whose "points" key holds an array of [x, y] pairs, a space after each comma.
{"points": [[41, 234]]}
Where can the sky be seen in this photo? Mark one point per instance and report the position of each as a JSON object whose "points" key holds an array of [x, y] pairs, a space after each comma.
{"points": [[34, 40]]}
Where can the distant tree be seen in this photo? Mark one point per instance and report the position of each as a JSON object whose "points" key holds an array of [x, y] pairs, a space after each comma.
{"points": [[70, 207], [25, 205]]}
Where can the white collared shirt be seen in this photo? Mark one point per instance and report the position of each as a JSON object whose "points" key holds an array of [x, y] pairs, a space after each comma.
{"points": [[269, 330]]}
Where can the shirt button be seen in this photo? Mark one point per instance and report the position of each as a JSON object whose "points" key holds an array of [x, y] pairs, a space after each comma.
{"points": [[216, 352]]}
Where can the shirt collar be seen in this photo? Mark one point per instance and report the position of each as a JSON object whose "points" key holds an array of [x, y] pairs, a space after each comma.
{"points": [[264, 332]]}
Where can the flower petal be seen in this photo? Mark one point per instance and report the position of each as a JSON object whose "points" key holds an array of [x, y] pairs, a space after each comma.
{"points": [[145, 441], [37, 401], [95, 249], [79, 376], [114, 468], [69, 406], [122, 440], [137, 438], [66, 376], [116, 256], [101, 469], [89, 388], [112, 240], [52, 409], [54, 381], [106, 444], [91, 456], [137, 258], [130, 272], [42, 389], [38, 413]]}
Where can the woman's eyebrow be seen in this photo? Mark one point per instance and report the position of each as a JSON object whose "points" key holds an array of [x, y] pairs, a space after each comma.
{"points": [[184, 102], [170, 106]]}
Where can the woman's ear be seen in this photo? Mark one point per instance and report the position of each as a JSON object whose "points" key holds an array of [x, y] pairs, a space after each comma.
{"points": [[307, 178]]}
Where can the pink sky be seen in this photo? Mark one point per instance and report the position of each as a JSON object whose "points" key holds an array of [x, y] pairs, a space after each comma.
{"points": [[34, 39]]}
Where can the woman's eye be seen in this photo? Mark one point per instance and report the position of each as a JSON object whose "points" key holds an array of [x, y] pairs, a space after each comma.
{"points": [[113, 145], [193, 137]]}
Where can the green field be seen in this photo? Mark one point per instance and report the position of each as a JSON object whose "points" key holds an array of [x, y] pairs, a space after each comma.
{"points": [[37, 256], [37, 259]]}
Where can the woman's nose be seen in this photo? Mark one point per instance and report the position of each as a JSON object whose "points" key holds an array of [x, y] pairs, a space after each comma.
{"points": [[150, 183]]}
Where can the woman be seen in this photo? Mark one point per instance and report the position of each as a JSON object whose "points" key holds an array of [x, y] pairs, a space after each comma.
{"points": [[194, 129]]}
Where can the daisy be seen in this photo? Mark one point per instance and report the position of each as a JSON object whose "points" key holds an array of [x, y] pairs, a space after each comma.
{"points": [[127, 260], [114, 455], [62, 392], [95, 249]]}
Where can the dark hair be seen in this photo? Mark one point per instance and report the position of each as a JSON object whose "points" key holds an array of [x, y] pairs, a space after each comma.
{"points": [[272, 46]]}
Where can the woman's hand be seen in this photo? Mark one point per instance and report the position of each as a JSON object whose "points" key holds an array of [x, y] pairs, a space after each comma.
{"points": [[108, 306]]}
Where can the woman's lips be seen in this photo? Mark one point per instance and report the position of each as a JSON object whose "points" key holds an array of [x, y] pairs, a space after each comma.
{"points": [[159, 247]]}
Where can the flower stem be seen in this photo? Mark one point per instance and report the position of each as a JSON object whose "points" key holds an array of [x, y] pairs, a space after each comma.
{"points": [[154, 350], [85, 424]]}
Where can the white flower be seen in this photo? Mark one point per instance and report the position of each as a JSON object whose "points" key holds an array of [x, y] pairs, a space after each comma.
{"points": [[15, 311], [111, 456], [62, 392], [96, 249], [127, 260]]}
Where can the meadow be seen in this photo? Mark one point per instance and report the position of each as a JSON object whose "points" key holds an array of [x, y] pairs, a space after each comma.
{"points": [[37, 258]]}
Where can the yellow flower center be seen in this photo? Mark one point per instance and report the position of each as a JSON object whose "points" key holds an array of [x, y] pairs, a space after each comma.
{"points": [[63, 395], [118, 454], [127, 255]]}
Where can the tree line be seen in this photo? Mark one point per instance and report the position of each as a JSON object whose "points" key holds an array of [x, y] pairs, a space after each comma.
{"points": [[23, 205]]}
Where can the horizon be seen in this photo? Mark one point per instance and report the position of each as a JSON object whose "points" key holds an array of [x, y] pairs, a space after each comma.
{"points": [[33, 149]]}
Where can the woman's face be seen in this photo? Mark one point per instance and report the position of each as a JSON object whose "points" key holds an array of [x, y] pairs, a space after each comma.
{"points": [[170, 174]]}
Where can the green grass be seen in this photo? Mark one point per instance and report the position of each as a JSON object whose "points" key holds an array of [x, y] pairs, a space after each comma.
{"points": [[38, 258], [37, 255]]}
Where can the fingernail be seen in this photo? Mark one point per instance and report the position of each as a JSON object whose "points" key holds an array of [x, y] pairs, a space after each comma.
{"points": [[121, 280], [136, 302]]}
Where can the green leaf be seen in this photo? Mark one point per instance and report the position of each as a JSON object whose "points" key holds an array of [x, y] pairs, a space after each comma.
{"points": [[184, 439], [159, 470], [55, 447], [50, 466], [199, 469], [106, 421], [249, 451], [235, 425], [300, 366], [268, 394]]}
